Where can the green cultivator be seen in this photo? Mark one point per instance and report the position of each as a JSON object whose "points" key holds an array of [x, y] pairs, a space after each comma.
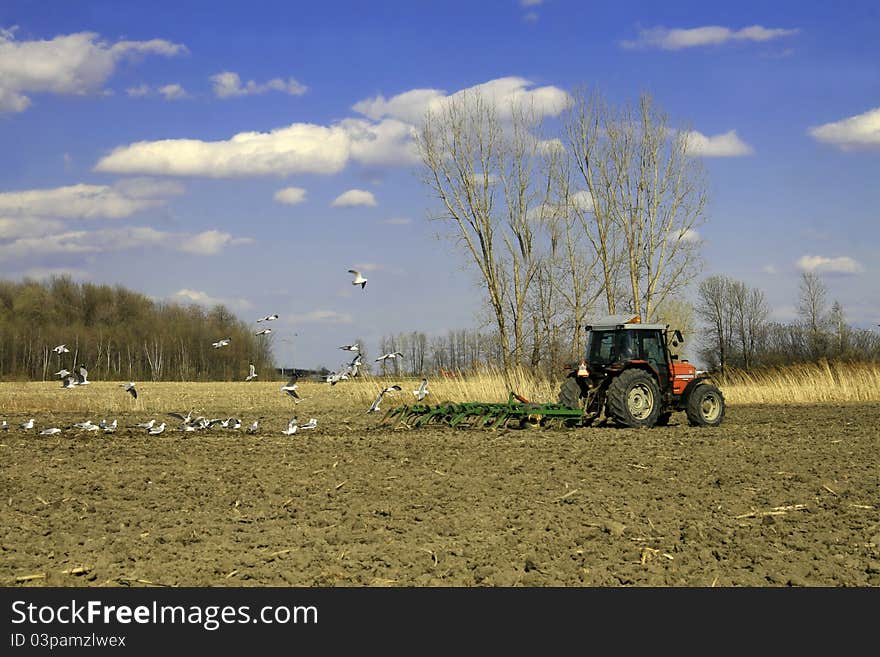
{"points": [[517, 411]]}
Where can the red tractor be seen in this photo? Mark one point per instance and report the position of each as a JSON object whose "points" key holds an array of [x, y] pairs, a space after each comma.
{"points": [[630, 375]]}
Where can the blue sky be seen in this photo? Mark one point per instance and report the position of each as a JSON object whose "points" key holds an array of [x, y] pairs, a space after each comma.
{"points": [[148, 144]]}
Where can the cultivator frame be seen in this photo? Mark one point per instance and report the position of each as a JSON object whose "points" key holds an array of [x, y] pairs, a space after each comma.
{"points": [[486, 415]]}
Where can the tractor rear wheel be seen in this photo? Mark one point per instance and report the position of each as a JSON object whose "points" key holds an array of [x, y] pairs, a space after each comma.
{"points": [[633, 399], [705, 406], [570, 393]]}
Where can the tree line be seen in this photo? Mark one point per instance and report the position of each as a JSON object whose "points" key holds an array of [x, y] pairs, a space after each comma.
{"points": [[739, 333], [119, 334]]}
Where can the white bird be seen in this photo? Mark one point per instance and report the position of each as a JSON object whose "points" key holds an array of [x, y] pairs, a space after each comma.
{"points": [[188, 428], [50, 432], [389, 390], [254, 427], [253, 373], [69, 381], [82, 376], [27, 425], [350, 347], [333, 378], [422, 391], [311, 424], [186, 419], [155, 431], [290, 388], [392, 355], [267, 318], [354, 365], [358, 278], [234, 423], [265, 331], [108, 428], [291, 427], [84, 425], [61, 349], [147, 425], [92, 427], [62, 373], [5, 425], [223, 342], [130, 389]]}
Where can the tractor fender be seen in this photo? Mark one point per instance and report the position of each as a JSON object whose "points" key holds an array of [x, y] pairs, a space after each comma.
{"points": [[689, 388]]}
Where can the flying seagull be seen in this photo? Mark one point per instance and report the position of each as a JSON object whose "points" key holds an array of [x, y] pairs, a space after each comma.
{"points": [[422, 391], [290, 388], [350, 347], [50, 432], [390, 389], [185, 418], [358, 278], [253, 373], [130, 389], [267, 318], [82, 376], [69, 381], [393, 354], [355, 364], [265, 331], [61, 349], [224, 342], [62, 373]]}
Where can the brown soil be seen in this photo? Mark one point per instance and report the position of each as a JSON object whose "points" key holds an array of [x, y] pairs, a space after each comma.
{"points": [[776, 496]]}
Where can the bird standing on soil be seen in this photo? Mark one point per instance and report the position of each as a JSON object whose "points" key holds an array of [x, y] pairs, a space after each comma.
{"points": [[422, 391], [155, 431], [291, 427], [82, 376], [223, 342], [358, 278], [130, 389], [311, 424], [69, 381], [50, 432], [4, 426], [389, 390], [27, 425], [147, 425], [253, 373], [254, 427]]}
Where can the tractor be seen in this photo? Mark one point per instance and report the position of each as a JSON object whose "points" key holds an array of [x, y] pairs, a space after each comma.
{"points": [[630, 376]]}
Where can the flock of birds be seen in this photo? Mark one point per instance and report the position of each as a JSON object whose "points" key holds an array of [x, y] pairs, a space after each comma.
{"points": [[80, 377]]}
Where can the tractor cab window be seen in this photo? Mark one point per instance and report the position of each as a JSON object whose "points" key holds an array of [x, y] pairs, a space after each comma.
{"points": [[652, 349], [606, 347]]}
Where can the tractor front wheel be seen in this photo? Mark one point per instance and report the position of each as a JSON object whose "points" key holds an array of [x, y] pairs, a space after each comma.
{"points": [[633, 399], [705, 406]]}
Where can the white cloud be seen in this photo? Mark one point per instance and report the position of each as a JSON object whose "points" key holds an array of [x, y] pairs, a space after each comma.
{"points": [[389, 141], [582, 200], [298, 148], [89, 201], [27, 227], [504, 93], [710, 35], [173, 92], [727, 144], [210, 242], [321, 317], [397, 221], [118, 239], [860, 131], [839, 265], [67, 64], [530, 3], [187, 296], [139, 91], [228, 85], [769, 269], [290, 195], [354, 197], [690, 235]]}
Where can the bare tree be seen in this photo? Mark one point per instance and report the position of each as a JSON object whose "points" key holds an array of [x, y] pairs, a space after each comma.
{"points": [[647, 197], [714, 308], [482, 168], [813, 310]]}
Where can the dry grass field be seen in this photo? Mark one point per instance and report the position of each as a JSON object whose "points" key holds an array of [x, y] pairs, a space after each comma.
{"points": [[784, 492]]}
